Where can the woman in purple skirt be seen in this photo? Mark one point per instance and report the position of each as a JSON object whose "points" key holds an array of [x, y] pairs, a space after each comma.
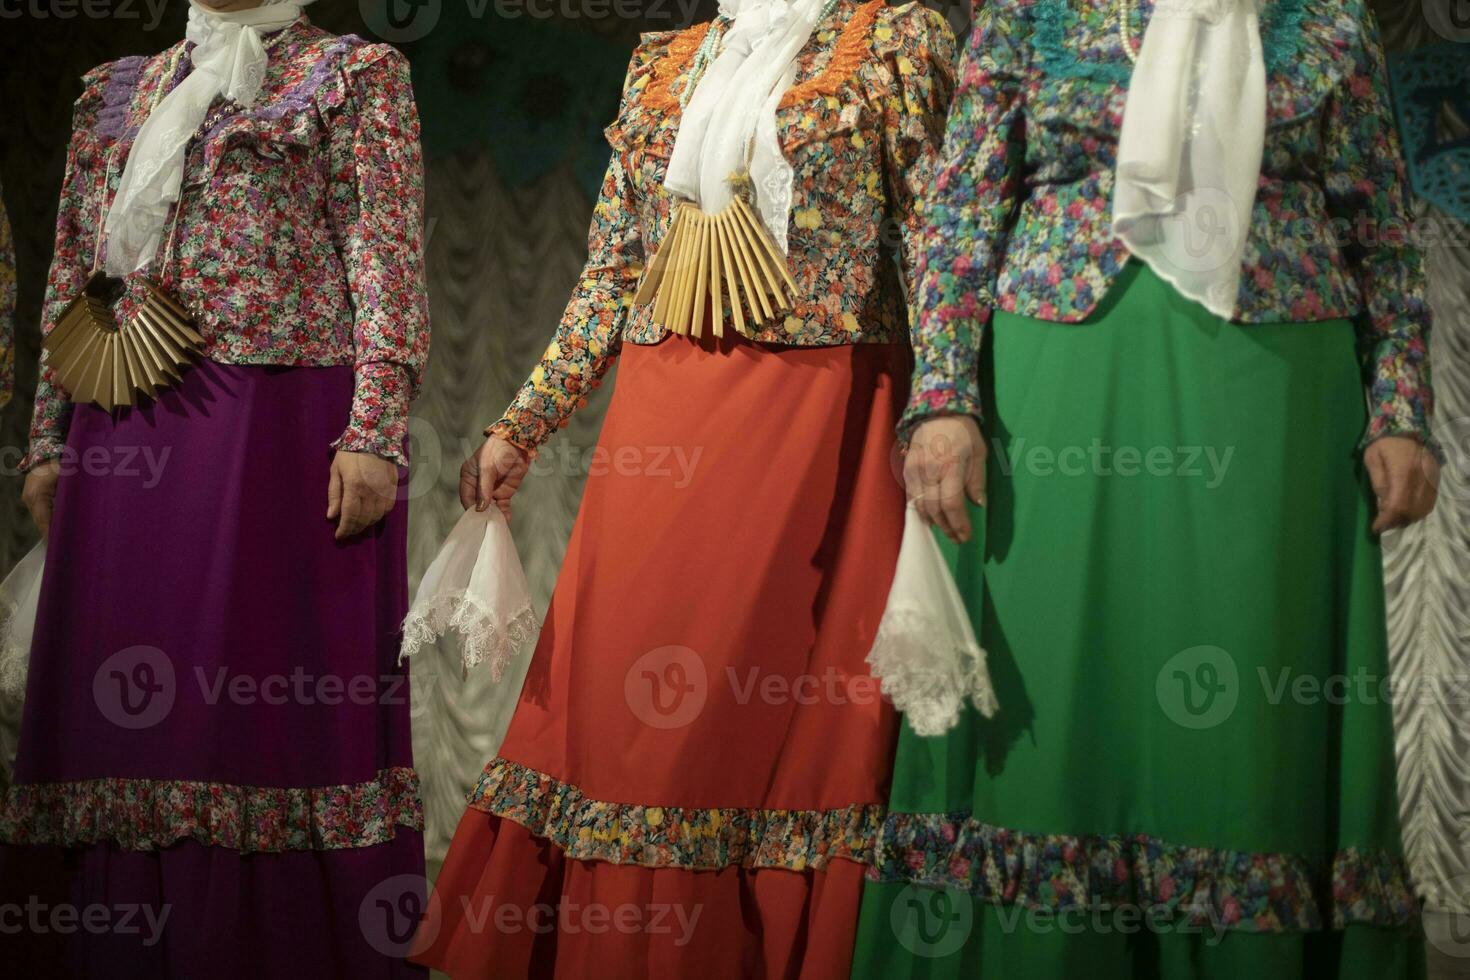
{"points": [[214, 775]]}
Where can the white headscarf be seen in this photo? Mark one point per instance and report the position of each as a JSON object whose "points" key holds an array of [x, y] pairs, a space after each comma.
{"points": [[229, 59], [729, 126], [1189, 157]]}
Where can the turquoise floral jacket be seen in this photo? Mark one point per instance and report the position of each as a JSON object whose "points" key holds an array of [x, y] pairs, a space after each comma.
{"points": [[1020, 216]]}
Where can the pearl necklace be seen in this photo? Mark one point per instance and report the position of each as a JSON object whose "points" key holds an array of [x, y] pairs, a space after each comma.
{"points": [[1123, 15]]}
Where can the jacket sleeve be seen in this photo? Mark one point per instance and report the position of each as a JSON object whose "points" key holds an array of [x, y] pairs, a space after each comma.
{"points": [[73, 252], [916, 50], [968, 216], [1368, 197], [376, 206], [590, 335]]}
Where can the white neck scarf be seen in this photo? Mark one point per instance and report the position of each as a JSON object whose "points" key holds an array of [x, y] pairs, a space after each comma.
{"points": [[729, 126], [1189, 157], [229, 59]]}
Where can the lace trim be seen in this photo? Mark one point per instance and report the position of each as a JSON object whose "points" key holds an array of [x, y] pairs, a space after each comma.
{"points": [[927, 674], [485, 635], [15, 658], [1241, 890], [1055, 19], [670, 68], [117, 97], [148, 814], [853, 47], [674, 837]]}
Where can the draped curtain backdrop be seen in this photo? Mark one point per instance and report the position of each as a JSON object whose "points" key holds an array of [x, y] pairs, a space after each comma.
{"points": [[512, 112]]}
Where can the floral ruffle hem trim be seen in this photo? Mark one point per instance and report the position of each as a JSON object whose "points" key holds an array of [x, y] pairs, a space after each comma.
{"points": [[1239, 890], [149, 814], [688, 838]]}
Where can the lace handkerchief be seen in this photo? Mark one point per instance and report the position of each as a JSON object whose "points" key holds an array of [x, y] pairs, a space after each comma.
{"points": [[19, 594], [477, 588], [926, 653]]}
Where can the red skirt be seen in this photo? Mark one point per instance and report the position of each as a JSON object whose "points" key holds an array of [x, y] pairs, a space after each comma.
{"points": [[698, 764]]}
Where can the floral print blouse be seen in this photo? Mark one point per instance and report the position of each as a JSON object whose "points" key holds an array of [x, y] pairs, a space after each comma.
{"points": [[7, 309], [861, 127], [1020, 219], [298, 238]]}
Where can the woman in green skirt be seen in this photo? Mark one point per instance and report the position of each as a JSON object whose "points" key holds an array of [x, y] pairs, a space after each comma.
{"points": [[1168, 258]]}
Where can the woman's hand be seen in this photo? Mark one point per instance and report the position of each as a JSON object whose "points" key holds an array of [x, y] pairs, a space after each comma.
{"points": [[946, 464], [493, 475], [1405, 478], [39, 492], [363, 489]]}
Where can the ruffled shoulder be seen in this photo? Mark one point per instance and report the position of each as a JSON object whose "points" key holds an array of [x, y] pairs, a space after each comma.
{"points": [[1311, 46], [913, 50], [1014, 34], [911, 28], [107, 91], [338, 65], [650, 89]]}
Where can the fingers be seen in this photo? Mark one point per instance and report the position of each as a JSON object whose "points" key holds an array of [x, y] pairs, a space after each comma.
{"points": [[334, 491], [487, 482], [975, 482], [40, 510], [1392, 471], [938, 491], [365, 492], [352, 520], [39, 494], [469, 483]]}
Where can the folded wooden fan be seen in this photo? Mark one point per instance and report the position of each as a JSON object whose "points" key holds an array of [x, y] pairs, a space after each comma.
{"points": [[709, 257], [99, 361]]}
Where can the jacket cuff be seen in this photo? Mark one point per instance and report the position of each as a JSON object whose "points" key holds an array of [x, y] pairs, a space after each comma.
{"points": [[42, 449], [381, 399], [934, 401]]}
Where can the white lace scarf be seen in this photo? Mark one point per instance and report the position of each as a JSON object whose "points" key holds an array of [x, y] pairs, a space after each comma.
{"points": [[730, 127], [1189, 156], [229, 59]]}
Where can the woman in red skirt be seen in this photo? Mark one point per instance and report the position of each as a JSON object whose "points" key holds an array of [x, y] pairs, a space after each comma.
{"points": [[697, 767]]}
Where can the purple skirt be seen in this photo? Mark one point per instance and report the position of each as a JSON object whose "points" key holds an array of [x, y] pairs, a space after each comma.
{"points": [[215, 772]]}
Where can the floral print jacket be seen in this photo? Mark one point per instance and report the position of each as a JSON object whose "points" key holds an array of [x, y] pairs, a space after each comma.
{"points": [[299, 232], [1021, 212], [7, 309], [862, 128]]}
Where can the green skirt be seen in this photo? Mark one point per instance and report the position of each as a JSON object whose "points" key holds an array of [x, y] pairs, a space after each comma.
{"points": [[1192, 773]]}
